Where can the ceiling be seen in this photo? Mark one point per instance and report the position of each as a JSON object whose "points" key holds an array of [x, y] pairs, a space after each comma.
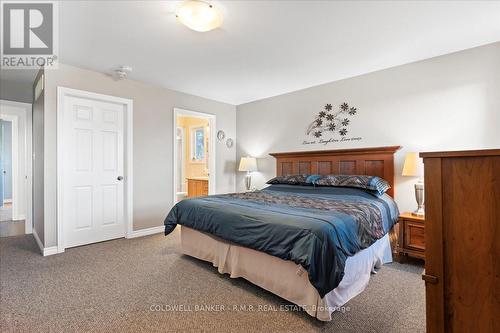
{"points": [[266, 48]]}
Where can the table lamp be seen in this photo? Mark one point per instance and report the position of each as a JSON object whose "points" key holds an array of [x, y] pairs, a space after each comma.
{"points": [[413, 167], [248, 164]]}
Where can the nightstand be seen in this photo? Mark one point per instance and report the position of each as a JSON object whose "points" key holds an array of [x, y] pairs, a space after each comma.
{"points": [[411, 240]]}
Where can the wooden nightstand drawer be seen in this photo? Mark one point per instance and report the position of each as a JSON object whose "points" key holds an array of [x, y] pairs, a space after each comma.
{"points": [[414, 236], [411, 235]]}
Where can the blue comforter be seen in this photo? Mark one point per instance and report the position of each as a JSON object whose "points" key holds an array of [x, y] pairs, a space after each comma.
{"points": [[316, 227]]}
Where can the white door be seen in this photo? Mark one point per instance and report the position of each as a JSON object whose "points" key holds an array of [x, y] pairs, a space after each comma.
{"points": [[93, 162]]}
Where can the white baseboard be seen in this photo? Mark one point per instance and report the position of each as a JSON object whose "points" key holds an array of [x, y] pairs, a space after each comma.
{"points": [[46, 251], [146, 232]]}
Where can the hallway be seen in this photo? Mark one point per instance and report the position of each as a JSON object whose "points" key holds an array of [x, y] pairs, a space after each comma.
{"points": [[7, 226]]}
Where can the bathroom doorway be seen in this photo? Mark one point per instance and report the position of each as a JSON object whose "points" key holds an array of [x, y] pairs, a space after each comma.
{"points": [[194, 154]]}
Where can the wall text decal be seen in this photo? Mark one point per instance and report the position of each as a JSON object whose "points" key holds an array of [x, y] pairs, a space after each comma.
{"points": [[329, 122]]}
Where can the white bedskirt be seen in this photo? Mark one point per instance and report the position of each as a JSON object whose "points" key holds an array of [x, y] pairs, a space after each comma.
{"points": [[285, 278]]}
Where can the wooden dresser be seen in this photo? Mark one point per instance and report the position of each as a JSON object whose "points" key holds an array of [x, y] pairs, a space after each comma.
{"points": [[411, 240], [197, 187], [462, 241]]}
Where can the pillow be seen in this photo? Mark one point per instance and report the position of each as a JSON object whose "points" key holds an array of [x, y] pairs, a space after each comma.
{"points": [[311, 179], [291, 180], [371, 183]]}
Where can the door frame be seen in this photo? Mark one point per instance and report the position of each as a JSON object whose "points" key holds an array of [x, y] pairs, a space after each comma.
{"points": [[26, 114], [62, 94], [183, 134], [211, 148], [14, 120]]}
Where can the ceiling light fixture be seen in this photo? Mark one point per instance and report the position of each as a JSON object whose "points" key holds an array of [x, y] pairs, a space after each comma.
{"points": [[198, 15]]}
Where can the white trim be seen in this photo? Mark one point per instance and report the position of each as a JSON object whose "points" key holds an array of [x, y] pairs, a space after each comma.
{"points": [[28, 138], [45, 251], [16, 104], [183, 135], [147, 232], [48, 251], [28, 214], [62, 93], [13, 119], [211, 151]]}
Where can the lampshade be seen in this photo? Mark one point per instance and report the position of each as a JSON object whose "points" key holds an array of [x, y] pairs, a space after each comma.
{"points": [[413, 165], [198, 15], [248, 164]]}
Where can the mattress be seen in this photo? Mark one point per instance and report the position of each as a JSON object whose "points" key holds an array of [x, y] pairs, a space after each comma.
{"points": [[286, 278]]}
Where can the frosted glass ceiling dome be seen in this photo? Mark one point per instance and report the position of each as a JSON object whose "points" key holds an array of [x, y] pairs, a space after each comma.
{"points": [[199, 15]]}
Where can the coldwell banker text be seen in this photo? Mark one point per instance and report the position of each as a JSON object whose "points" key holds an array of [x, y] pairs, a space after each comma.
{"points": [[29, 34]]}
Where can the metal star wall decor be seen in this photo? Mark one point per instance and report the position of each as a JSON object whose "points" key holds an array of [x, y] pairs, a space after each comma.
{"points": [[329, 121]]}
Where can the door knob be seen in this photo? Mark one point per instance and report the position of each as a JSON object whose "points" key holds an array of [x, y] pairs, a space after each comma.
{"points": [[120, 178]]}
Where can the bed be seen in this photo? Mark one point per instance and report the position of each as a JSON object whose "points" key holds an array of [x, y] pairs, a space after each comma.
{"points": [[313, 246]]}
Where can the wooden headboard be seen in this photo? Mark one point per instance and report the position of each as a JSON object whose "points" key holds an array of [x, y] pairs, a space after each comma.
{"points": [[378, 161]]}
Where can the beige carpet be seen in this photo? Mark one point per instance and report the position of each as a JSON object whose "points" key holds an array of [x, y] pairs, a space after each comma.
{"points": [[112, 286], [6, 212]]}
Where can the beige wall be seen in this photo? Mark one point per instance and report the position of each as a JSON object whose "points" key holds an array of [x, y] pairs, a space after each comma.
{"points": [[153, 134], [444, 103], [16, 91]]}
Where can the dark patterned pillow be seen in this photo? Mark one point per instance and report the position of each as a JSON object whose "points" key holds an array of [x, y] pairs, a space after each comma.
{"points": [[290, 180], [372, 183]]}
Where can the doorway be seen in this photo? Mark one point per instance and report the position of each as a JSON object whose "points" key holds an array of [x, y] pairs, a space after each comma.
{"points": [[15, 168], [194, 154], [94, 181], [6, 165]]}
